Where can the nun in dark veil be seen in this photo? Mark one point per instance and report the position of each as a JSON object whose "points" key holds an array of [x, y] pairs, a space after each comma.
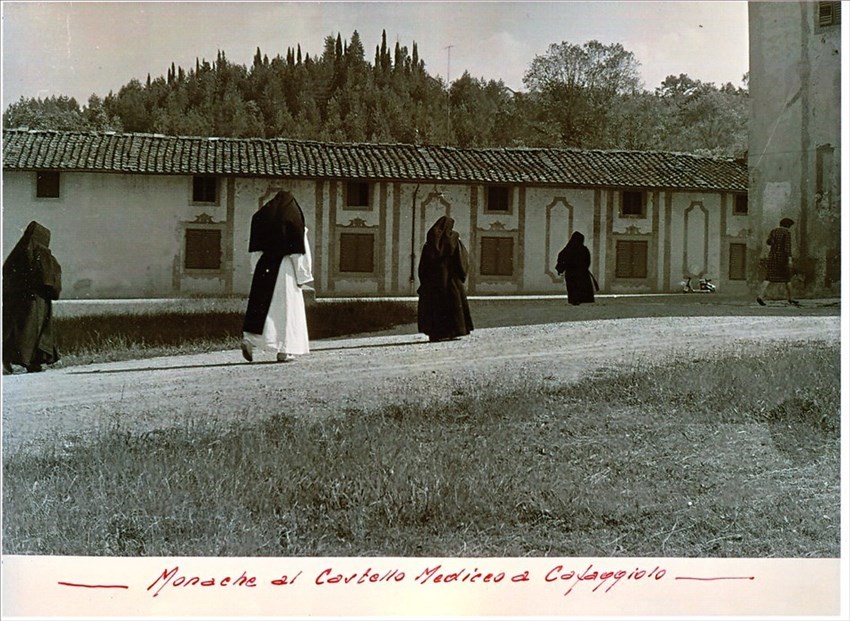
{"points": [[574, 264], [275, 320], [32, 279], [443, 311]]}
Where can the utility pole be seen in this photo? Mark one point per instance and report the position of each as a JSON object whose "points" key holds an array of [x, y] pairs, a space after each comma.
{"points": [[448, 98]]}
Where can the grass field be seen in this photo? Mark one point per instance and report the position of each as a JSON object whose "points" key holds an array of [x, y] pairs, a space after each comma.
{"points": [[727, 456], [147, 331]]}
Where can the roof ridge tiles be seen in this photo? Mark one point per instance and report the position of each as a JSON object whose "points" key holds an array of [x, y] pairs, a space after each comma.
{"points": [[371, 145], [162, 154]]}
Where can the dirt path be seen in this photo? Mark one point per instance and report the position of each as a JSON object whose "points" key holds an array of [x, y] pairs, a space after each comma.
{"points": [[364, 372]]}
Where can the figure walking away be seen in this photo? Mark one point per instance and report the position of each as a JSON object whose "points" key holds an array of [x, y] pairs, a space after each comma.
{"points": [[276, 319], [32, 279], [443, 310], [574, 264], [779, 261]]}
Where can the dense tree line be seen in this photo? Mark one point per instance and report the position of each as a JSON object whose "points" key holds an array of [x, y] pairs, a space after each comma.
{"points": [[584, 96]]}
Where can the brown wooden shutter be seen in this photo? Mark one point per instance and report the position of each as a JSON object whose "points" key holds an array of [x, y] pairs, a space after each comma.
{"points": [[631, 261], [737, 261], [356, 252], [203, 249], [497, 256]]}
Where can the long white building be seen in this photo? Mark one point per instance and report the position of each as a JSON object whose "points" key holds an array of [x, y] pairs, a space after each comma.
{"points": [[141, 215]]}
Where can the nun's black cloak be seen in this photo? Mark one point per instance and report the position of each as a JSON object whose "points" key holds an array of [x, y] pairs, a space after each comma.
{"points": [[277, 230], [32, 279], [574, 264], [443, 310]]}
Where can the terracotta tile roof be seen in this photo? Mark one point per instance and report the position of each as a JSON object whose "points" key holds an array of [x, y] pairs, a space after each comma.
{"points": [[256, 157]]}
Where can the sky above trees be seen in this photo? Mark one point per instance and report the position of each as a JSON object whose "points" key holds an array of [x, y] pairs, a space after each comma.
{"points": [[80, 48]]}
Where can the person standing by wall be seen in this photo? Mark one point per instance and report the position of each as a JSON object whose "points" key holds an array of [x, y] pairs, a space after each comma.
{"points": [[574, 264], [778, 261], [443, 310], [276, 320], [32, 279]]}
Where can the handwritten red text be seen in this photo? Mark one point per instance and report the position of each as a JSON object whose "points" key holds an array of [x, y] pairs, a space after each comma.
{"points": [[611, 578], [173, 577], [329, 576]]}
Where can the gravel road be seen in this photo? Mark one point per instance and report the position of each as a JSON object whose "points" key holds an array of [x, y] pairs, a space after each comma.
{"points": [[367, 371]]}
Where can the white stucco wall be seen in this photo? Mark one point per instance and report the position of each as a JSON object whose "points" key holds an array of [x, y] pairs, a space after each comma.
{"points": [[114, 234], [122, 235], [552, 215], [695, 236]]}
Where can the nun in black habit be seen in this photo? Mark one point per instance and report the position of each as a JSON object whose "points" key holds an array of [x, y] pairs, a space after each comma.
{"points": [[276, 320], [574, 264], [32, 279], [443, 311]]}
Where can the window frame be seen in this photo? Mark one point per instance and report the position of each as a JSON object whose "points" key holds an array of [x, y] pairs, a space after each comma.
{"points": [[824, 155], [827, 15], [511, 257], [216, 190], [56, 178], [736, 208], [342, 255], [364, 187], [633, 193], [508, 198]]}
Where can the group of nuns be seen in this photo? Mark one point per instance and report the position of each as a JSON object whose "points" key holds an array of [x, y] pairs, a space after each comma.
{"points": [[443, 308], [275, 320]]}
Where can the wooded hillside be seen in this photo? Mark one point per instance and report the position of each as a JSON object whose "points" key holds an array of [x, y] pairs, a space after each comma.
{"points": [[584, 96]]}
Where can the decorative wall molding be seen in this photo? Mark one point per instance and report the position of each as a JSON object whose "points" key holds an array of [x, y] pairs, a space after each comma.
{"points": [[358, 223], [434, 199], [549, 253], [204, 218], [691, 214]]}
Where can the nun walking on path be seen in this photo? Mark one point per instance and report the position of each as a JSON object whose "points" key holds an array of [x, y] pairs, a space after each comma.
{"points": [[276, 319], [574, 264], [32, 279], [443, 310]]}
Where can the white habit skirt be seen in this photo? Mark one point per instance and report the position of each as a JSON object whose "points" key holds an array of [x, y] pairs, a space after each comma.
{"points": [[285, 330]]}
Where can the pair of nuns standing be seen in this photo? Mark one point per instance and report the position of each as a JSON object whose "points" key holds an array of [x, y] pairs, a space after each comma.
{"points": [[443, 267]]}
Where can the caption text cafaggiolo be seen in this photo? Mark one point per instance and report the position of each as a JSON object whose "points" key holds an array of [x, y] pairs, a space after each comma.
{"points": [[567, 578]]}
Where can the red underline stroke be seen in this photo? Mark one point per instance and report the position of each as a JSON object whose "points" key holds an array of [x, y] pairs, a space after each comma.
{"points": [[95, 586], [716, 578]]}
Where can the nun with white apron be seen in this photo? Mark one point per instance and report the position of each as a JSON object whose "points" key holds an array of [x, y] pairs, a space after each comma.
{"points": [[275, 320]]}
